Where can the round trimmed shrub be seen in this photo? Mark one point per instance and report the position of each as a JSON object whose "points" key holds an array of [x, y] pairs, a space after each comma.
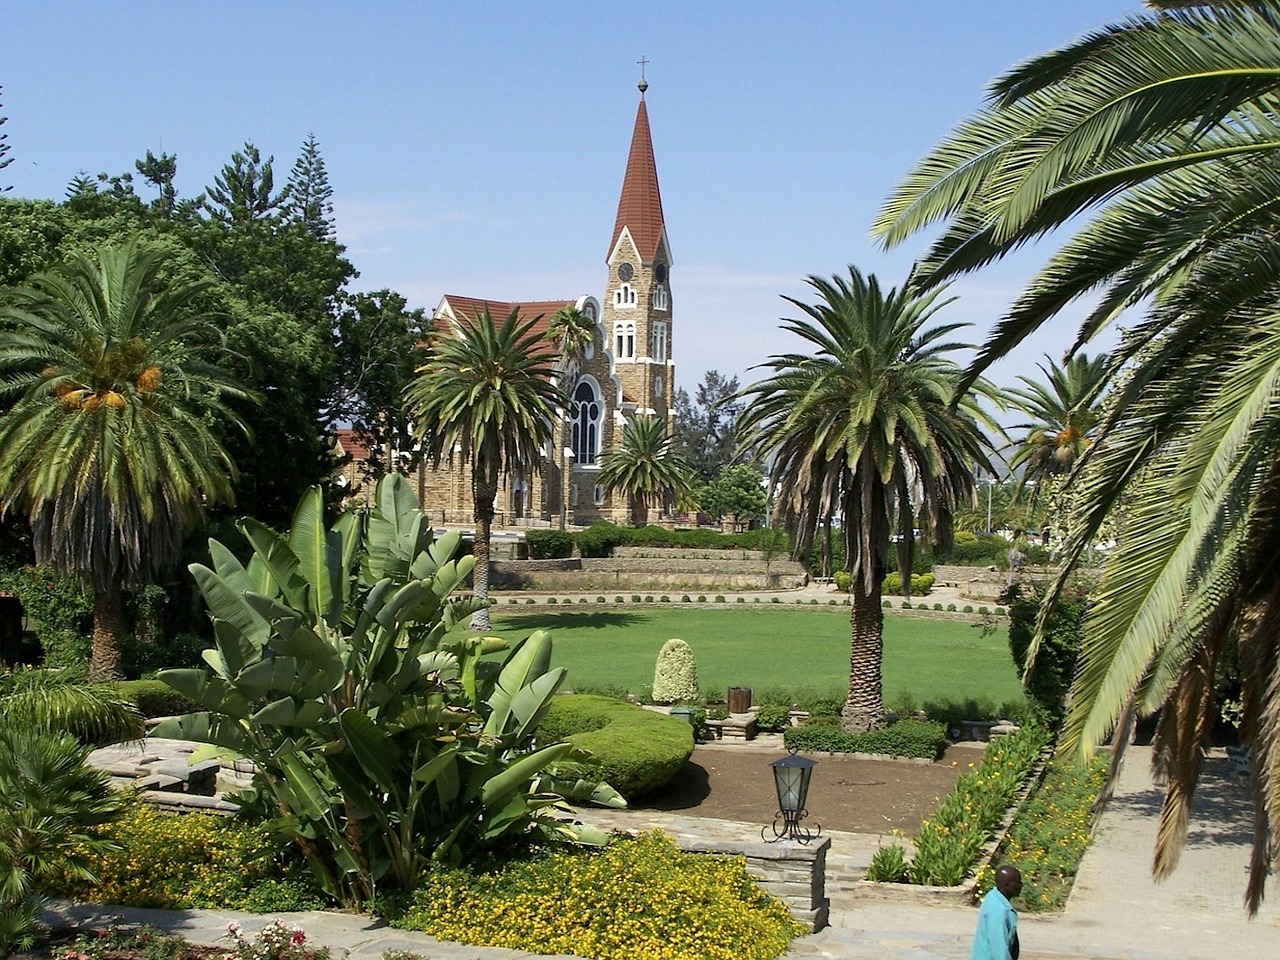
{"points": [[675, 675], [968, 609], [617, 599], [685, 598], [719, 598], [742, 600], [664, 599], [531, 600], [638, 751], [551, 600], [599, 599], [702, 598]]}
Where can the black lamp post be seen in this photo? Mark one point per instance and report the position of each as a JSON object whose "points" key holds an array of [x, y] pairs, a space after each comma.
{"points": [[791, 777]]}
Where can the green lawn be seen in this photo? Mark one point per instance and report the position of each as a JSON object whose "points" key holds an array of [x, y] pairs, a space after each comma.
{"points": [[767, 647]]}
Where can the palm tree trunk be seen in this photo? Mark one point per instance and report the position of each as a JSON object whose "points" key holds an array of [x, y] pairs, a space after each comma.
{"points": [[109, 625], [485, 488], [640, 510], [864, 708]]}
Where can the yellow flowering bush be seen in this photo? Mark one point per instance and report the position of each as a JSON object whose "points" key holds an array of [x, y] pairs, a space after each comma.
{"points": [[637, 899], [1051, 833], [176, 861]]}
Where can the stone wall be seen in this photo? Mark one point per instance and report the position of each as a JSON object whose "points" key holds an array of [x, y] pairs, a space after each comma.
{"points": [[795, 873], [655, 572]]}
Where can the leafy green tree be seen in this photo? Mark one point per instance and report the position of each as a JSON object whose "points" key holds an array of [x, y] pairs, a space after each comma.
{"points": [[1065, 408], [645, 467], [108, 445], [309, 197], [738, 492], [704, 424], [866, 427], [382, 740], [380, 344], [488, 393], [1155, 140]]}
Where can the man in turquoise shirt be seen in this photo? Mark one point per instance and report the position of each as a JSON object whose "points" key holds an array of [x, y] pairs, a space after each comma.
{"points": [[997, 934]]}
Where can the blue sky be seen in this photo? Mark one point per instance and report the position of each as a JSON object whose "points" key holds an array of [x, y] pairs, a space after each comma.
{"points": [[478, 148]]}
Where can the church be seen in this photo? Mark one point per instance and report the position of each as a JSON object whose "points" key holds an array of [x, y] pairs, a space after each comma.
{"points": [[626, 371]]}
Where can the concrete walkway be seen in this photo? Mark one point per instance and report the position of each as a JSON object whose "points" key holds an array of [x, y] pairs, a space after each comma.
{"points": [[1117, 911]]}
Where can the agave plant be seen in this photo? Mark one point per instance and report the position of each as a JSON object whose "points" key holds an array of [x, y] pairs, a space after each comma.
{"points": [[381, 739]]}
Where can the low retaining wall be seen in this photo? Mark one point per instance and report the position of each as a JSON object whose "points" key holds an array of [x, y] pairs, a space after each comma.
{"points": [[795, 873], [625, 575]]}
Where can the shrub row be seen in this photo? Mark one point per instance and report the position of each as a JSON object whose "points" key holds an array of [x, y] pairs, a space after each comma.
{"points": [[637, 897], [599, 539], [906, 738], [921, 584], [638, 750], [1051, 833], [950, 842]]}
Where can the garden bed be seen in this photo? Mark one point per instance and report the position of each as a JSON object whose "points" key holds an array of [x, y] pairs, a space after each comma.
{"points": [[859, 795]]}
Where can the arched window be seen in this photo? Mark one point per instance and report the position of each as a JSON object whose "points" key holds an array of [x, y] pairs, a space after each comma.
{"points": [[624, 296], [585, 428], [658, 344], [624, 340], [660, 301]]}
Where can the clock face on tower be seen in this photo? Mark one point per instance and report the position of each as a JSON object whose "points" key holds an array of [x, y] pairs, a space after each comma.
{"points": [[625, 271]]}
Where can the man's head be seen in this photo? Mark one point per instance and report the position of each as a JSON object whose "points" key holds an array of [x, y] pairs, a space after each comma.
{"points": [[1008, 881]]}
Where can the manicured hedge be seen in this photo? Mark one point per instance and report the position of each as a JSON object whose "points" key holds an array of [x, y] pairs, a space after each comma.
{"points": [[906, 738], [638, 750], [599, 539], [155, 698], [549, 544]]}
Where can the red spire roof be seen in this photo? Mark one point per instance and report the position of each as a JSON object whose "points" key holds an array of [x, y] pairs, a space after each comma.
{"points": [[640, 207]]}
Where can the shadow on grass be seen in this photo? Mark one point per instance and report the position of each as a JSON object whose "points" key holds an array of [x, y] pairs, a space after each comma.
{"points": [[595, 620]]}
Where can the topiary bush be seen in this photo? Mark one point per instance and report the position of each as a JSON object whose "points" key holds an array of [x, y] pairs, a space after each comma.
{"points": [[638, 751], [906, 738], [675, 675], [843, 580], [549, 544]]}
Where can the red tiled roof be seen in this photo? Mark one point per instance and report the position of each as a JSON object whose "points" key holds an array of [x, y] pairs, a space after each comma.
{"points": [[466, 309], [640, 206], [352, 445]]}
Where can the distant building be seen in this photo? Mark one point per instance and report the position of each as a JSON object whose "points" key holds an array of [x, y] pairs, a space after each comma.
{"points": [[627, 370]]}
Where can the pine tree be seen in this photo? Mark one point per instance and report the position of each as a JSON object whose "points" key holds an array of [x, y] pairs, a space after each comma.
{"points": [[243, 192], [160, 172], [310, 200], [4, 149]]}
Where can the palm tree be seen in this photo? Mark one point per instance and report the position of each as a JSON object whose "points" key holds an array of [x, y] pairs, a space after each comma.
{"points": [[645, 466], [1064, 409], [864, 429], [1164, 129], [571, 331], [490, 393], [109, 444]]}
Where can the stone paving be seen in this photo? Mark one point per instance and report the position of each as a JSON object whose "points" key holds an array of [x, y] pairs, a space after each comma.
{"points": [[1117, 911]]}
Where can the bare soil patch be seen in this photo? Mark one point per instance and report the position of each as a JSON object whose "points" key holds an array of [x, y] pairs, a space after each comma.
{"points": [[861, 796]]}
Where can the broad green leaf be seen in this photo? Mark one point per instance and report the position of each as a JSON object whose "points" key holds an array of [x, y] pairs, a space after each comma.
{"points": [[518, 774], [377, 753]]}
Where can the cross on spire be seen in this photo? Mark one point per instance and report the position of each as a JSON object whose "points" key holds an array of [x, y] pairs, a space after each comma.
{"points": [[643, 84]]}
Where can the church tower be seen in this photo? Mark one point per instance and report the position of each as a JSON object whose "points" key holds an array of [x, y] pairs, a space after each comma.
{"points": [[637, 301]]}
